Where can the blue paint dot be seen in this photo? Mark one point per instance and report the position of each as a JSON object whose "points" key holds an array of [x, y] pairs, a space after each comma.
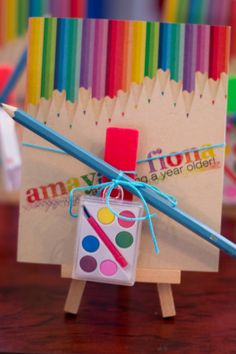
{"points": [[90, 243]]}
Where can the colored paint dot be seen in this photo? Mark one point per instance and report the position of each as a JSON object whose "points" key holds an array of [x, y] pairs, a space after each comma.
{"points": [[105, 216], [124, 239], [88, 264], [90, 243], [126, 223], [108, 268]]}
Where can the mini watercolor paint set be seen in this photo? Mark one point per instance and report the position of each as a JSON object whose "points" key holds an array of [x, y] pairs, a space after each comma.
{"points": [[107, 247]]}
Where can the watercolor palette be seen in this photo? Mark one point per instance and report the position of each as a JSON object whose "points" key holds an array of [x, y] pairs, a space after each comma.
{"points": [[101, 260]]}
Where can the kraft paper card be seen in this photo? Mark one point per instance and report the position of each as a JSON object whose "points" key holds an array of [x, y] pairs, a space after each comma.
{"points": [[175, 106]]}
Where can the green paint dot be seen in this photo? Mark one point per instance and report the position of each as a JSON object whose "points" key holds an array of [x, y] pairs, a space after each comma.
{"points": [[124, 239]]}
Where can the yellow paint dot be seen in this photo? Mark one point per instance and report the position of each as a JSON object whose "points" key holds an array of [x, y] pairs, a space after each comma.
{"points": [[105, 216]]}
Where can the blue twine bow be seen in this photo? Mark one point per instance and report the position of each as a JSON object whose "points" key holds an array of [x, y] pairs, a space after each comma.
{"points": [[135, 187]]}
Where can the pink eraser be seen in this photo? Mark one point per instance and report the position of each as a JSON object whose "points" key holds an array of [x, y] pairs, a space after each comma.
{"points": [[5, 73], [121, 151]]}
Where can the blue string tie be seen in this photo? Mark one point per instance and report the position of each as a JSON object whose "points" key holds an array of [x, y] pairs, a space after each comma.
{"points": [[135, 187], [158, 157]]}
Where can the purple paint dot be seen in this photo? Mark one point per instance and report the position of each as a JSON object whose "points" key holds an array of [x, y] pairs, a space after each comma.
{"points": [[108, 268], [88, 264]]}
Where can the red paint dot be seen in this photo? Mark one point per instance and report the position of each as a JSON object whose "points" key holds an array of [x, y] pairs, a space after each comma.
{"points": [[126, 223]]}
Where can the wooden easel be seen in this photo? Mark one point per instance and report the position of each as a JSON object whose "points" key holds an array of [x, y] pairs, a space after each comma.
{"points": [[162, 277]]}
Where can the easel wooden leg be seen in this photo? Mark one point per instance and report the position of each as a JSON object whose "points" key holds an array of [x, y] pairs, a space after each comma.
{"points": [[74, 296], [162, 277], [166, 300]]}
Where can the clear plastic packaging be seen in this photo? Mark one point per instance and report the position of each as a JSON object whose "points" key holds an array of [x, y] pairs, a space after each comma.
{"points": [[107, 247]]}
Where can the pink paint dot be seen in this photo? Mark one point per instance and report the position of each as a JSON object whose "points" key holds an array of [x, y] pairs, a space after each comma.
{"points": [[126, 223], [108, 268]]}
